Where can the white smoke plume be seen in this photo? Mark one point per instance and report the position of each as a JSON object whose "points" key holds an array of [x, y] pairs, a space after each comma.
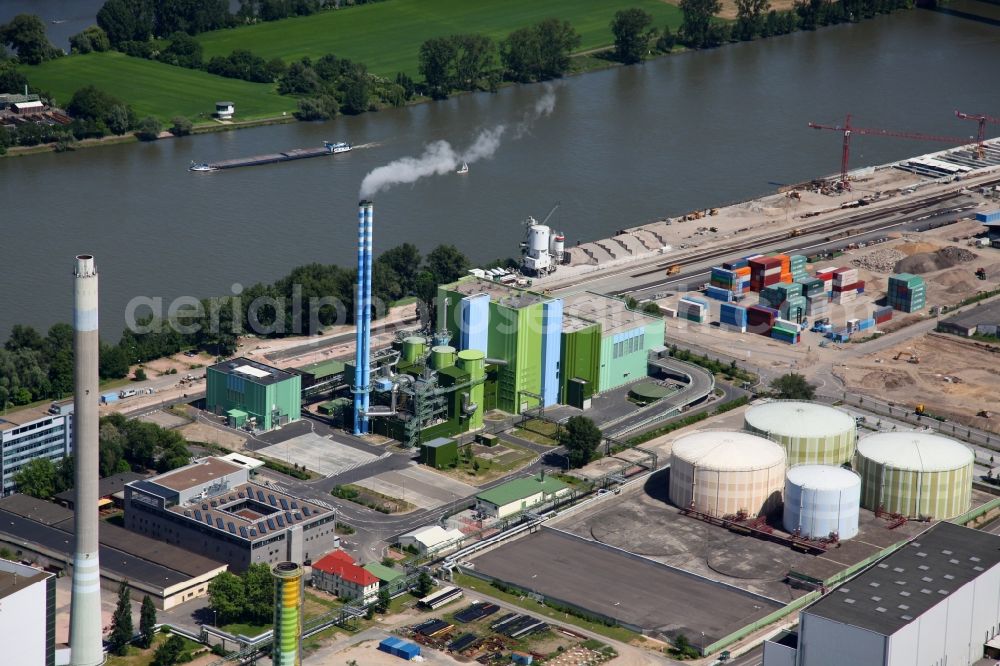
{"points": [[440, 158]]}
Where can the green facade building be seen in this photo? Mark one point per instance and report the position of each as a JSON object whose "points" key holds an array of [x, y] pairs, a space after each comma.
{"points": [[248, 392], [439, 453]]}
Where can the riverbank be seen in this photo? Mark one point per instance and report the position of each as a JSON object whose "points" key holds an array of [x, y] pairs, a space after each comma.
{"points": [[582, 63]]}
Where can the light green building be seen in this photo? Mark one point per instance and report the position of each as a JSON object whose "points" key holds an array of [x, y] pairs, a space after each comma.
{"points": [[519, 495], [248, 392], [625, 338]]}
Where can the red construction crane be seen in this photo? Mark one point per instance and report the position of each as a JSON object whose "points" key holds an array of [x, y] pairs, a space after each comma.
{"points": [[848, 130], [982, 119]]}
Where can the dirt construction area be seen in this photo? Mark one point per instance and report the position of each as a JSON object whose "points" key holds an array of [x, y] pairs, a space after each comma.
{"points": [[955, 378]]}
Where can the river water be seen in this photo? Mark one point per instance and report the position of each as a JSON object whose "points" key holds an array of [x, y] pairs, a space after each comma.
{"points": [[623, 146]]}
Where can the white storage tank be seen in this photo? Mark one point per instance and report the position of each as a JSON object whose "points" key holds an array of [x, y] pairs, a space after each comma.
{"points": [[821, 500], [538, 239], [916, 474], [720, 472], [811, 433]]}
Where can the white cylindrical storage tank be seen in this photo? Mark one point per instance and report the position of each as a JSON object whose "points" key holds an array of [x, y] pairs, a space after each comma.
{"points": [[558, 246], [821, 500], [811, 433], [915, 474], [538, 239], [724, 472]]}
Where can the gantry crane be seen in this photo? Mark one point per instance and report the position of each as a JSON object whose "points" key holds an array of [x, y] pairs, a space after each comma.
{"points": [[982, 119], [847, 129]]}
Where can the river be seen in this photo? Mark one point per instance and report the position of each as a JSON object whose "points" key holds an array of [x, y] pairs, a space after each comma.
{"points": [[623, 146]]}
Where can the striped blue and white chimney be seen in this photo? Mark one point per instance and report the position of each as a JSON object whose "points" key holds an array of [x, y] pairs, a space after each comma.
{"points": [[362, 318], [85, 639]]}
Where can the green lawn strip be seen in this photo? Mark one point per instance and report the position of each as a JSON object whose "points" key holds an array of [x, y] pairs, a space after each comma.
{"points": [[532, 436], [245, 628], [157, 89], [386, 36], [617, 633]]}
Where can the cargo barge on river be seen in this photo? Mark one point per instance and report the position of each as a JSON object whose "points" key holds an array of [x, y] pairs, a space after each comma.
{"points": [[271, 158]]}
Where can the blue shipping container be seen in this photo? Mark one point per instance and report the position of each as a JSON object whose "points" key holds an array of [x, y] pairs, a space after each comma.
{"points": [[719, 293], [733, 314], [108, 398], [989, 216]]}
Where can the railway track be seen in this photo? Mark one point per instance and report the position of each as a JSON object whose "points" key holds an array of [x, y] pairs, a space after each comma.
{"points": [[833, 231]]}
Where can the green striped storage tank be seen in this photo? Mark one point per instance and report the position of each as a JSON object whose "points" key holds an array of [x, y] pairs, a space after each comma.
{"points": [[442, 356], [413, 348], [473, 361], [916, 474], [809, 432]]}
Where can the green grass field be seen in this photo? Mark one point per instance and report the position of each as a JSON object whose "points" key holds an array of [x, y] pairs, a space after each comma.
{"points": [[156, 89], [386, 36]]}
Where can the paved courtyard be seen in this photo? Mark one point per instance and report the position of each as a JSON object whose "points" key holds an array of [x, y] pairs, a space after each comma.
{"points": [[322, 455], [419, 486]]}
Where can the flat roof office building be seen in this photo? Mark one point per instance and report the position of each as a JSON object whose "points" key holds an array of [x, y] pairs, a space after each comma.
{"points": [[27, 614], [211, 507], [30, 434]]}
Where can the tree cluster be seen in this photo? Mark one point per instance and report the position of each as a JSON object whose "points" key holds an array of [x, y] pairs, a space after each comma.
{"points": [[25, 36], [336, 85], [170, 652], [476, 62], [251, 11], [633, 31], [98, 112], [90, 40], [793, 386], [581, 437], [124, 445], [248, 597], [140, 20], [242, 64]]}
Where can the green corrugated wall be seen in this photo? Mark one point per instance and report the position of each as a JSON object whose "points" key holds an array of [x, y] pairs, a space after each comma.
{"points": [[580, 359]]}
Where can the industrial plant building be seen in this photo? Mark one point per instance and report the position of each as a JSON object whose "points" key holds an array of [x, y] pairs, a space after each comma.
{"points": [[43, 532], [519, 495], [253, 395], [27, 614], [431, 539], [810, 433], [915, 474], [30, 434], [723, 473], [211, 507], [934, 601]]}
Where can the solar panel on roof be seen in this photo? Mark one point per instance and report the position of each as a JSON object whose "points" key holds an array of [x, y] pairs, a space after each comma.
{"points": [[305, 510], [218, 523], [253, 532], [262, 528], [243, 532], [272, 501], [241, 494], [208, 518], [270, 524], [260, 495], [298, 516], [214, 504], [231, 527], [281, 521], [295, 504], [197, 515], [204, 506], [284, 503], [288, 517]]}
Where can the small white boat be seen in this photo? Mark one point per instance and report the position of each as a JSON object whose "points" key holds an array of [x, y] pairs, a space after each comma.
{"points": [[200, 167], [464, 169], [338, 147]]}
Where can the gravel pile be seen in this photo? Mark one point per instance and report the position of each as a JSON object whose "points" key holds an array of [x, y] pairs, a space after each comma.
{"points": [[882, 260], [925, 262]]}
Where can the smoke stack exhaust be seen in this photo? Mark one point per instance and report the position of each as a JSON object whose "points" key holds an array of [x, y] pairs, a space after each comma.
{"points": [[85, 640], [363, 318]]}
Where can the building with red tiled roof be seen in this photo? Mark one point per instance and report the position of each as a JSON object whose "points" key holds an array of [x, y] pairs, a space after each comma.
{"points": [[338, 574]]}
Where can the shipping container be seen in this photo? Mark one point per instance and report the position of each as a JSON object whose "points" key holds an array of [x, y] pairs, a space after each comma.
{"points": [[988, 217]]}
